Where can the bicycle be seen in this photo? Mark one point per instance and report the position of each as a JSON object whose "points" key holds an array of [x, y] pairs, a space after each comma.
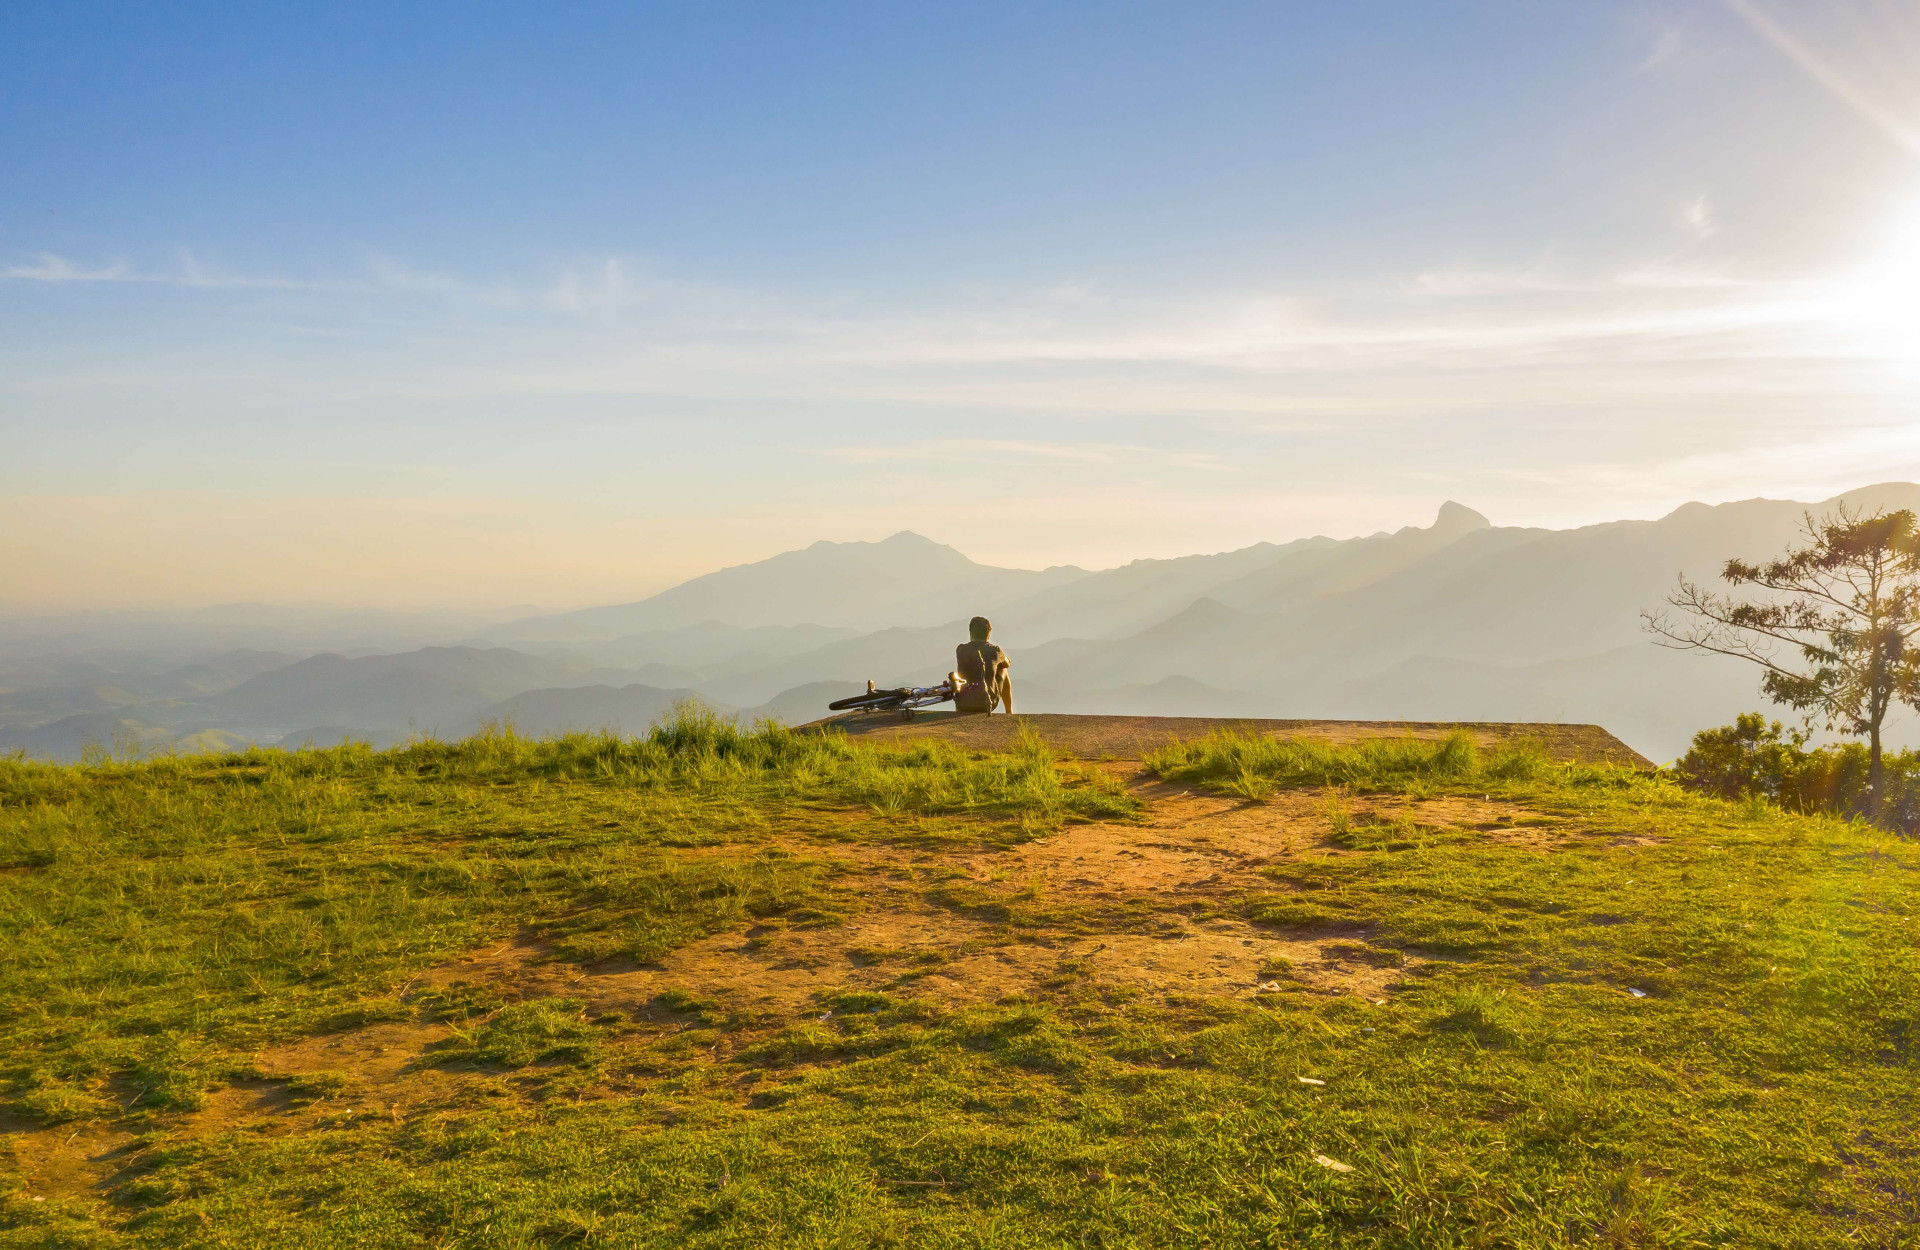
{"points": [[904, 700]]}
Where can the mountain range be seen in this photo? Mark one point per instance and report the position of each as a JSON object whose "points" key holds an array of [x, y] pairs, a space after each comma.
{"points": [[1457, 620], [905, 580]]}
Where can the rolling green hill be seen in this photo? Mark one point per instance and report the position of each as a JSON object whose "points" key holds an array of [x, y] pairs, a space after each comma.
{"points": [[721, 988]]}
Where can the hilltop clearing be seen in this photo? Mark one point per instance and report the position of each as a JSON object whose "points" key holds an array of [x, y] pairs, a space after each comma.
{"points": [[777, 988], [1136, 737]]}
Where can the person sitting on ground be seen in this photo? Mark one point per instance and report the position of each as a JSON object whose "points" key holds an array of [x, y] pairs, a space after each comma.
{"points": [[980, 681]]}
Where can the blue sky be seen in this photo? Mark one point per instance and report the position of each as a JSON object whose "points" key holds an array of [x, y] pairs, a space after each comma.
{"points": [[560, 304]]}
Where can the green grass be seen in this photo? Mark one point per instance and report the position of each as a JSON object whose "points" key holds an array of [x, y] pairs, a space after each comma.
{"points": [[539, 1030], [1253, 765], [163, 920]]}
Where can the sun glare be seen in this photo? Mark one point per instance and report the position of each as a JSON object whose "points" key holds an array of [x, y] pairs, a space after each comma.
{"points": [[1883, 298]]}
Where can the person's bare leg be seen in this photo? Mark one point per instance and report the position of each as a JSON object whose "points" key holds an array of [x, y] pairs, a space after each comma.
{"points": [[1006, 693]]}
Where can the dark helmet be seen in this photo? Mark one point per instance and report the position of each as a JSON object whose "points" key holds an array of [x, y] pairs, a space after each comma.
{"points": [[978, 628]]}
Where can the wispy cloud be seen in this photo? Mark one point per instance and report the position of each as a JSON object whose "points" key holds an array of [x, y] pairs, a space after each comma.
{"points": [[1444, 339], [1665, 41], [1698, 214], [1467, 281], [47, 267], [1089, 453], [189, 270], [1671, 275], [386, 274], [1666, 45], [1804, 467], [639, 321]]}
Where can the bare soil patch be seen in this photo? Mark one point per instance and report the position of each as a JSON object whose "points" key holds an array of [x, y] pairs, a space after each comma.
{"points": [[64, 1160]]}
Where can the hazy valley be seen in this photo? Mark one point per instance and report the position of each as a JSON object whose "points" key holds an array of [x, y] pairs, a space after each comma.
{"points": [[1459, 620]]}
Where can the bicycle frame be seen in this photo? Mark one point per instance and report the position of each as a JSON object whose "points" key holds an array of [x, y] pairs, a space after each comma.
{"points": [[905, 699]]}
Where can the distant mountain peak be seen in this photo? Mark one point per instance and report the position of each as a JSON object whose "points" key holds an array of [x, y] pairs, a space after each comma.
{"points": [[903, 579], [1457, 518], [902, 540]]}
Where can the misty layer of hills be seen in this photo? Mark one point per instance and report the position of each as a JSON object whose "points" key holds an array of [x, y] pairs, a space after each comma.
{"points": [[1460, 620]]}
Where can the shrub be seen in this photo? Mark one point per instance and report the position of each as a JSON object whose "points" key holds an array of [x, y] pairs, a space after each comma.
{"points": [[1757, 759]]}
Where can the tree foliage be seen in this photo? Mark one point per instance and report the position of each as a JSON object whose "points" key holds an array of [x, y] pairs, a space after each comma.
{"points": [[1833, 629], [1753, 758]]}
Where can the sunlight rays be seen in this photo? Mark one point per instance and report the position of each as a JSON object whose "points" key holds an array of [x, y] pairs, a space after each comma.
{"points": [[1889, 121]]}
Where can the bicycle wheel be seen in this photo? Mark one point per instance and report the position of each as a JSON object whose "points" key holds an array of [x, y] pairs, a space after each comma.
{"points": [[879, 700]]}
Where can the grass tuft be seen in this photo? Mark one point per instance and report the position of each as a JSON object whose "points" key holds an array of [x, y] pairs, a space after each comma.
{"points": [[1482, 1012], [540, 1030]]}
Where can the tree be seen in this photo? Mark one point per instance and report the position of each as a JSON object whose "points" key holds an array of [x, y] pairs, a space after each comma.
{"points": [[1834, 635]]}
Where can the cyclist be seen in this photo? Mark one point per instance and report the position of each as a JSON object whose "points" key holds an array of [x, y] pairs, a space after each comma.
{"points": [[980, 680]]}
